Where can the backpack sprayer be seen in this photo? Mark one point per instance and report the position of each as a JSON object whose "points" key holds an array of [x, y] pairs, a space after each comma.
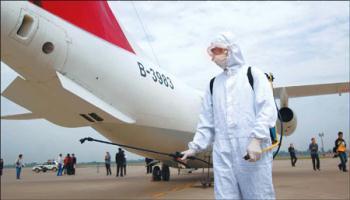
{"points": [[175, 155], [206, 181], [273, 134]]}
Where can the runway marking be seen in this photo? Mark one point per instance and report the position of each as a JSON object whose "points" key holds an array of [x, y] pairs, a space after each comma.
{"points": [[188, 185], [175, 189], [158, 195]]}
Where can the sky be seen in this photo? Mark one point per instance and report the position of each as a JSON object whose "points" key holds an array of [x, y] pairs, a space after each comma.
{"points": [[299, 42]]}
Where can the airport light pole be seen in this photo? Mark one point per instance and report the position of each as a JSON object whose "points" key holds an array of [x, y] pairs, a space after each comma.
{"points": [[321, 136]]}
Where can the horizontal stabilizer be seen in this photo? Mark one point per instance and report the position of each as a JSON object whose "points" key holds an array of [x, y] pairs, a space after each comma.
{"points": [[92, 99], [68, 106], [24, 116]]}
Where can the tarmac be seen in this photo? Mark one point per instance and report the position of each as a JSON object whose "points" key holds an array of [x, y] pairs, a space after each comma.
{"points": [[300, 182]]}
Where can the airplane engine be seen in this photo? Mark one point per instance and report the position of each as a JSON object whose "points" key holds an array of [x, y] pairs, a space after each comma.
{"points": [[289, 120]]}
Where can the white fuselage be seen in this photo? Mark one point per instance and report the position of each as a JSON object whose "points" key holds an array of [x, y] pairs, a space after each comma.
{"points": [[164, 115]]}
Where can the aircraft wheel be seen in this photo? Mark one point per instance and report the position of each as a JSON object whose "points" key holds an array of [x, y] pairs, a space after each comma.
{"points": [[206, 182], [165, 173], [156, 174]]}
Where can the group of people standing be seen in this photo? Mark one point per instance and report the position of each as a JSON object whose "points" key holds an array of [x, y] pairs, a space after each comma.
{"points": [[120, 160], [66, 165], [339, 150]]}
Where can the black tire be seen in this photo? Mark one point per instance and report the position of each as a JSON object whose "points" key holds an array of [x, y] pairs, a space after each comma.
{"points": [[44, 169], [37, 170], [165, 173], [206, 182], [54, 169], [156, 174]]}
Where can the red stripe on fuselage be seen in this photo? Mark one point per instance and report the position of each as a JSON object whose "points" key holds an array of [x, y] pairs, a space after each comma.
{"points": [[95, 17]]}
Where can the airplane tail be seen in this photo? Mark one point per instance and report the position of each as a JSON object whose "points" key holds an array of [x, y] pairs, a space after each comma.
{"points": [[96, 17]]}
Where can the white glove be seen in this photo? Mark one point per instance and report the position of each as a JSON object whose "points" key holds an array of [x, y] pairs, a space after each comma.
{"points": [[254, 150], [187, 153]]}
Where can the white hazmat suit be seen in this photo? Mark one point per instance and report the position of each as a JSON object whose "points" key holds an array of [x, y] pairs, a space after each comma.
{"points": [[230, 119]]}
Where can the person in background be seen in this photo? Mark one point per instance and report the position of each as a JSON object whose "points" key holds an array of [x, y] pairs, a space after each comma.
{"points": [[60, 165], [313, 148], [124, 162], [148, 166], [65, 161], [1, 166], [67, 164], [74, 163], [108, 163], [340, 148], [70, 165], [19, 164], [293, 157], [119, 159]]}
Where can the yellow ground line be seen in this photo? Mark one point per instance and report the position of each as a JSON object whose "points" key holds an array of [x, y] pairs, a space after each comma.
{"points": [[158, 195], [188, 185]]}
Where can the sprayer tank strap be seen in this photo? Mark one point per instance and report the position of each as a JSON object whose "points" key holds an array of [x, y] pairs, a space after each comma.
{"points": [[250, 79]]}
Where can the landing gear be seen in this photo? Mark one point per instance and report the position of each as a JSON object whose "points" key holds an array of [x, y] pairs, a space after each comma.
{"points": [[206, 180], [158, 174], [165, 173]]}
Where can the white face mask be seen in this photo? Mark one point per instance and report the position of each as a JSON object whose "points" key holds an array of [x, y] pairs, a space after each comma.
{"points": [[221, 60]]}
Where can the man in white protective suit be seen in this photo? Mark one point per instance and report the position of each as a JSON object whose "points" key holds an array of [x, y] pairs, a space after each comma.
{"points": [[236, 119]]}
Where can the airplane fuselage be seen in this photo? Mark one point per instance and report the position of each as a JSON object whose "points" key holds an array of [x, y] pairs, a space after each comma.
{"points": [[161, 111]]}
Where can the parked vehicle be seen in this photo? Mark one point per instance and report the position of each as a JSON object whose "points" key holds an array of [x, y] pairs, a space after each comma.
{"points": [[46, 166]]}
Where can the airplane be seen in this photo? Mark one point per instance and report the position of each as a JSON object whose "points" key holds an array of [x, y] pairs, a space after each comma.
{"points": [[78, 68]]}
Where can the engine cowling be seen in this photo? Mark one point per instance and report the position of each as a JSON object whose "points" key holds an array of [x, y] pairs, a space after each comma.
{"points": [[289, 119]]}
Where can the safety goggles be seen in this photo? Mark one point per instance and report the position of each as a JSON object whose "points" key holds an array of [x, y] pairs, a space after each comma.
{"points": [[216, 49]]}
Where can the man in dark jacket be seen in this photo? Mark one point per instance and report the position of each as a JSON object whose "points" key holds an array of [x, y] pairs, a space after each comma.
{"points": [[148, 166], [119, 159], [1, 166], [293, 158], [313, 148], [74, 163]]}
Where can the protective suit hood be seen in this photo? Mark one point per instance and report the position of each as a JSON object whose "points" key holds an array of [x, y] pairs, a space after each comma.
{"points": [[228, 40]]}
